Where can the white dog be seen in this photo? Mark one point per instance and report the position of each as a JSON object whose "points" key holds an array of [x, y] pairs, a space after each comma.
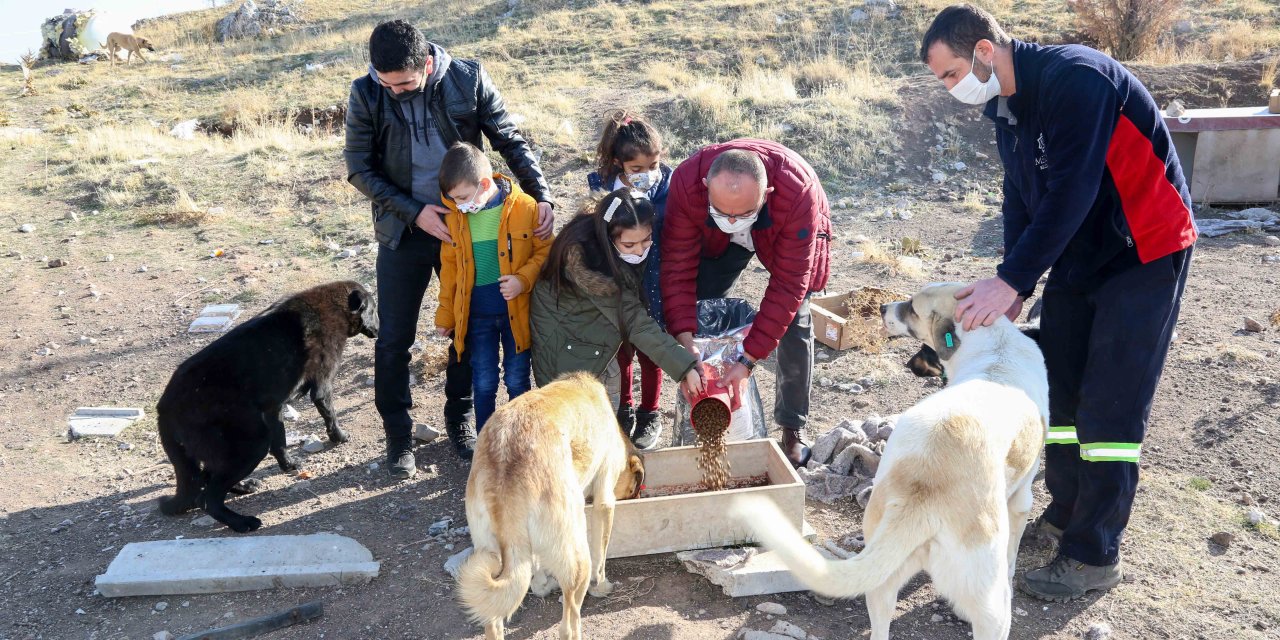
{"points": [[953, 491]]}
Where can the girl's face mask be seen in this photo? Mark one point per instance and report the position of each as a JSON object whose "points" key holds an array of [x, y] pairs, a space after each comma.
{"points": [[646, 180]]}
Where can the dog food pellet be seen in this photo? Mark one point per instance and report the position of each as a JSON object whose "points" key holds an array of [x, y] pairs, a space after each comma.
{"points": [[710, 420]]}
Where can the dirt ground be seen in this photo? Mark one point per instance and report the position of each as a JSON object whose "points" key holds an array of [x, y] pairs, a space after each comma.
{"points": [[68, 507]]}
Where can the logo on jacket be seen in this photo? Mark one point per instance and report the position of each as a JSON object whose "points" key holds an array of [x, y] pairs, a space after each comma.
{"points": [[1042, 160]]}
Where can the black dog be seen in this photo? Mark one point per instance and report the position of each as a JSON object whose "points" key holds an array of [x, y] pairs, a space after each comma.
{"points": [[925, 363], [220, 413]]}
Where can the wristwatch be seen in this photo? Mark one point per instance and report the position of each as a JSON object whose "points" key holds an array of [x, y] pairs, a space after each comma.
{"points": [[746, 362]]}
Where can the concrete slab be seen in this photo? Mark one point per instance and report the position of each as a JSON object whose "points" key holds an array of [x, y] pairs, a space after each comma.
{"points": [[215, 318], [1236, 166], [761, 573], [102, 421], [215, 565]]}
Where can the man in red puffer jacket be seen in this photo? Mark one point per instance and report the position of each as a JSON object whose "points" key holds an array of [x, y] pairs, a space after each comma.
{"points": [[728, 202]]}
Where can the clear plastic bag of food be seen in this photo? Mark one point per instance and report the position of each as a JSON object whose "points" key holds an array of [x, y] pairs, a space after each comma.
{"points": [[722, 325]]}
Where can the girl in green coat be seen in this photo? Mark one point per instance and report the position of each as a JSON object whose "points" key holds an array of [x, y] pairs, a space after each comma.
{"points": [[588, 299]]}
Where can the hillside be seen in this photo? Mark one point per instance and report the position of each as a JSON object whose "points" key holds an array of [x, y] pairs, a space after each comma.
{"points": [[256, 205]]}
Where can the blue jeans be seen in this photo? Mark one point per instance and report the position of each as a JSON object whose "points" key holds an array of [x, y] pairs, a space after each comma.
{"points": [[484, 334]]}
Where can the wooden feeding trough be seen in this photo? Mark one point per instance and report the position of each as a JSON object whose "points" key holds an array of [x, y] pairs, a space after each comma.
{"points": [[697, 520]]}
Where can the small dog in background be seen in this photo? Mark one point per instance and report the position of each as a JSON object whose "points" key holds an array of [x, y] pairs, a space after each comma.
{"points": [[117, 41], [534, 461], [220, 413]]}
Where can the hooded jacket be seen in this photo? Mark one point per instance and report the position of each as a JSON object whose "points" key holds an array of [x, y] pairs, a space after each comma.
{"points": [[466, 107], [658, 196], [578, 330], [1092, 182]]}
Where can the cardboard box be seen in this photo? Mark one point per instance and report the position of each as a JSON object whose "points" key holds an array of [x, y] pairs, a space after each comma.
{"points": [[830, 318], [697, 520]]}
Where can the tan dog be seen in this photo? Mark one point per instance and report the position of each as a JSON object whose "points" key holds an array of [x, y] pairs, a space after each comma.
{"points": [[953, 490], [535, 460], [117, 41]]}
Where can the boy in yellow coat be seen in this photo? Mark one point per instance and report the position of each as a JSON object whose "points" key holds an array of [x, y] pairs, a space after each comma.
{"points": [[487, 274]]}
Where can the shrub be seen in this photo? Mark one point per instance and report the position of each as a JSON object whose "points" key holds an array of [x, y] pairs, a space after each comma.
{"points": [[1125, 28]]}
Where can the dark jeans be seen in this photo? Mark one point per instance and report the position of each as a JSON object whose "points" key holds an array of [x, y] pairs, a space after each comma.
{"points": [[1105, 350], [716, 276], [484, 334], [403, 275]]}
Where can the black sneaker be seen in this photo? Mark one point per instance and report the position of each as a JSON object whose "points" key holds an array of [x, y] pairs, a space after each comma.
{"points": [[400, 461], [648, 430], [463, 437], [1064, 579], [627, 420]]}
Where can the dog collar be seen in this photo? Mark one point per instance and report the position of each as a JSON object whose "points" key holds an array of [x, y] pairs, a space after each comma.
{"points": [[951, 344]]}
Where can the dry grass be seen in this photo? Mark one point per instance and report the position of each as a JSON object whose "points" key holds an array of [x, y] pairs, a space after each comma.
{"points": [[1275, 318], [973, 202]]}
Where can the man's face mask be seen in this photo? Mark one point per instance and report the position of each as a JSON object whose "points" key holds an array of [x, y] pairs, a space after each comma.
{"points": [[971, 90], [733, 224]]}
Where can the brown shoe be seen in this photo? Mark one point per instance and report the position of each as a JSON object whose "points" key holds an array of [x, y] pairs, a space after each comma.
{"points": [[794, 448]]}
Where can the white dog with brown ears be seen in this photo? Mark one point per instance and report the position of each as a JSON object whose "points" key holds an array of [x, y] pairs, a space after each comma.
{"points": [[535, 460], [953, 491]]}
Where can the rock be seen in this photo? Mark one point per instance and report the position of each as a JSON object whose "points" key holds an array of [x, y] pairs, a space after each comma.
{"points": [[1098, 631], [1253, 326], [851, 387], [1272, 241], [27, 228], [771, 608], [425, 432], [724, 558], [185, 130], [825, 382], [911, 262], [864, 495], [784, 628], [312, 444], [369, 381], [86, 341], [855, 454], [73, 216], [830, 487], [1223, 539], [108, 258], [162, 635], [829, 444], [162, 605], [939, 177], [885, 431], [1255, 517], [57, 262], [823, 600], [204, 521], [936, 618], [348, 253], [142, 268], [300, 485], [871, 426], [440, 527], [252, 20], [454, 563], [756, 634], [289, 413], [959, 166]]}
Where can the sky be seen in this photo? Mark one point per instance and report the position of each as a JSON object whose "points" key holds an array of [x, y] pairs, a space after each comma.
{"points": [[20, 19]]}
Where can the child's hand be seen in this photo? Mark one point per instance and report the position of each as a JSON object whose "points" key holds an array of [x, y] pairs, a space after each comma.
{"points": [[443, 331], [510, 286]]}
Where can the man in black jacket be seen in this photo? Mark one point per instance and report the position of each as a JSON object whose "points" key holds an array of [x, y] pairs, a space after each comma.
{"points": [[402, 117], [1093, 193]]}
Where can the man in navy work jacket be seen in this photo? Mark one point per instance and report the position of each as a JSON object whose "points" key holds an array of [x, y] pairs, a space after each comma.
{"points": [[1094, 194]]}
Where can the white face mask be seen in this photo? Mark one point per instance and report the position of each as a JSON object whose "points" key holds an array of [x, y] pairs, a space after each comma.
{"points": [[471, 206], [741, 223], [646, 180], [631, 258], [971, 90]]}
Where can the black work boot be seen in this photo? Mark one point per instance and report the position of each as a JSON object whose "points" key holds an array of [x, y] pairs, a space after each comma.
{"points": [[1065, 579], [400, 461], [794, 447], [463, 436], [1042, 528], [648, 430], [627, 420]]}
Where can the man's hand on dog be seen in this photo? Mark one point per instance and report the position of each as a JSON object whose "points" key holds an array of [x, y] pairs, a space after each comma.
{"points": [[546, 220], [510, 286], [429, 220], [984, 301]]}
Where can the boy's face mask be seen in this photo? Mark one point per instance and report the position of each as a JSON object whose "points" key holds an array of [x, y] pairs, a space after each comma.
{"points": [[470, 205]]}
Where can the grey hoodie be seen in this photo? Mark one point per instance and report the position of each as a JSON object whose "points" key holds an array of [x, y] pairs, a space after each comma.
{"points": [[428, 146]]}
